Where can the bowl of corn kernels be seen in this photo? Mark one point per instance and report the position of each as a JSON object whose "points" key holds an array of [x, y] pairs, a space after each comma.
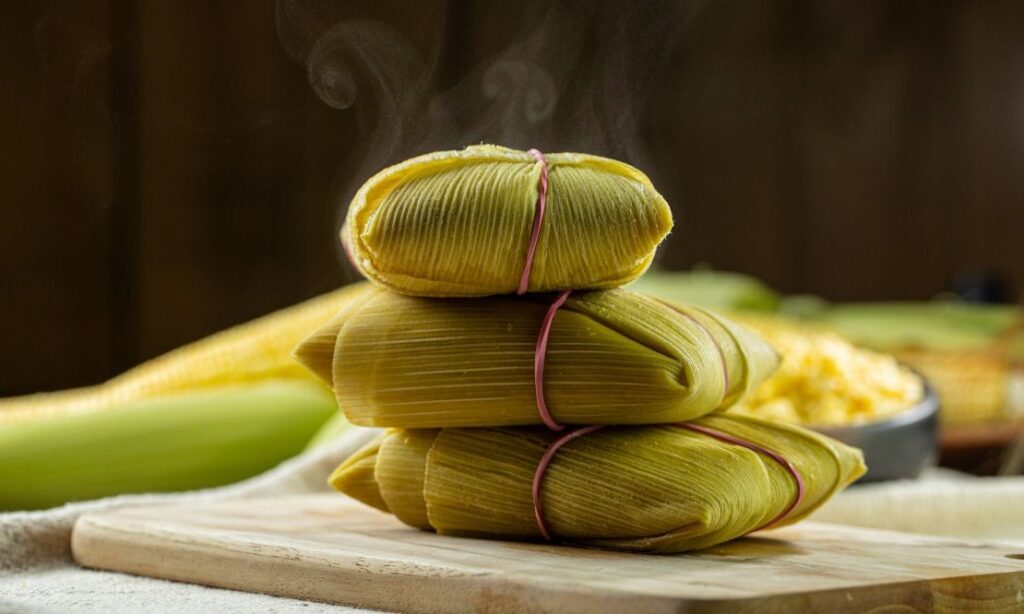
{"points": [[863, 398]]}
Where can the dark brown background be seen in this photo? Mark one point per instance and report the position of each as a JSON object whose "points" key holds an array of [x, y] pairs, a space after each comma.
{"points": [[167, 169]]}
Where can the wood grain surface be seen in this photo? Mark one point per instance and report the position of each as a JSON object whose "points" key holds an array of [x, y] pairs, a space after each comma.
{"points": [[328, 548], [167, 169]]}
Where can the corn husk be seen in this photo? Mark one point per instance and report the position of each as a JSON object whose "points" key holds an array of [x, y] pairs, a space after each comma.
{"points": [[458, 223], [250, 353], [178, 442], [641, 488], [212, 412], [614, 357]]}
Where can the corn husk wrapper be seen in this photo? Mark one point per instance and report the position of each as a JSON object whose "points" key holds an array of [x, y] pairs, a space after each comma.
{"points": [[458, 223], [655, 488], [613, 357]]}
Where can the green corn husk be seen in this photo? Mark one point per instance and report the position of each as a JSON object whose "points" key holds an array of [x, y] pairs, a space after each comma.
{"points": [[176, 443], [641, 488], [614, 357], [718, 290], [458, 223]]}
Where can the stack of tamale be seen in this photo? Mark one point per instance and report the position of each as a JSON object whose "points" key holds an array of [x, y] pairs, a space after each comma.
{"points": [[592, 416]]}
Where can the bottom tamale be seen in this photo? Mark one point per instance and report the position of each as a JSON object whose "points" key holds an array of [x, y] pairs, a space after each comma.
{"points": [[659, 488]]}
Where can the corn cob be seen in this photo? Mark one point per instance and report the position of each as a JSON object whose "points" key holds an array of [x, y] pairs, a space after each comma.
{"points": [[179, 442], [249, 353], [199, 416], [458, 223], [645, 488], [614, 357]]}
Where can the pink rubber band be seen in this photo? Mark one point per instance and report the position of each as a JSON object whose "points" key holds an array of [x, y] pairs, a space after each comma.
{"points": [[538, 221], [549, 454], [801, 488], [542, 466], [539, 356]]}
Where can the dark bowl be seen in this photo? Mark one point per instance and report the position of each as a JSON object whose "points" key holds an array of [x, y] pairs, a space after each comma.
{"points": [[900, 447]]}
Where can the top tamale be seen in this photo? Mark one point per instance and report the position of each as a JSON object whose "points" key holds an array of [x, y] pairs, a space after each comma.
{"points": [[458, 223], [613, 357], [655, 488]]}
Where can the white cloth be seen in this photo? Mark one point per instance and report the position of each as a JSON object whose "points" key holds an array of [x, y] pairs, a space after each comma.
{"points": [[37, 574], [942, 502]]}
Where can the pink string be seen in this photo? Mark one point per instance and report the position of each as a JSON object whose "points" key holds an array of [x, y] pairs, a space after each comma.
{"points": [[549, 454], [542, 466], [538, 221], [538, 362], [801, 488]]}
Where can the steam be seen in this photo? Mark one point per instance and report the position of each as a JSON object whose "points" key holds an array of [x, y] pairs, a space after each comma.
{"points": [[578, 78], [519, 91], [365, 53]]}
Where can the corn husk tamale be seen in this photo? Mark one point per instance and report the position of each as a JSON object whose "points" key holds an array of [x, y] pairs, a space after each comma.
{"points": [[458, 223], [657, 488], [613, 357]]}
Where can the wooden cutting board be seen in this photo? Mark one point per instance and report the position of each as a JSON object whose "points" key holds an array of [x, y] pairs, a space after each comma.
{"points": [[329, 548]]}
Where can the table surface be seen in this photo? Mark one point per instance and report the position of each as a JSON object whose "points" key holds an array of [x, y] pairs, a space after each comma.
{"points": [[328, 548]]}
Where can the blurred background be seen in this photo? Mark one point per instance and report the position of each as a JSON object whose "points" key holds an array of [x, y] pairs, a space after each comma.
{"points": [[172, 168]]}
